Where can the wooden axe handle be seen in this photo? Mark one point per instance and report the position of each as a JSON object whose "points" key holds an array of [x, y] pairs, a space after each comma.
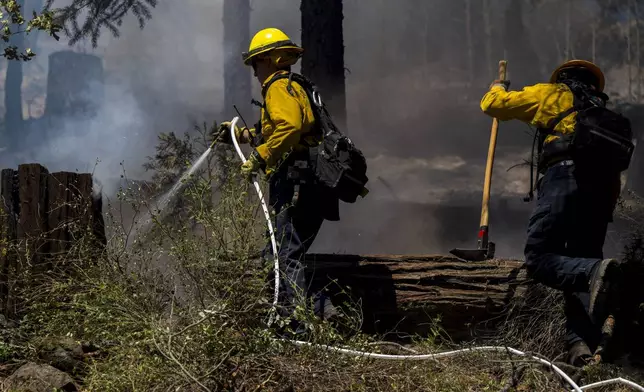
{"points": [[490, 158]]}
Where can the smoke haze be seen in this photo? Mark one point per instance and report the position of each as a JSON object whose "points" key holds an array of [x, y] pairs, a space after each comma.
{"points": [[414, 79]]}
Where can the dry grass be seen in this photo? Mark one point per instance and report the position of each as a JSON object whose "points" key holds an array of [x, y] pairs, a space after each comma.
{"points": [[184, 309]]}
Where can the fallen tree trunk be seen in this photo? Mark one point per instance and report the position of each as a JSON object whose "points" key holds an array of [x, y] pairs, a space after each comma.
{"points": [[408, 293], [405, 295]]}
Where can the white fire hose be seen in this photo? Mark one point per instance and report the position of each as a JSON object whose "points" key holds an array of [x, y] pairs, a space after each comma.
{"points": [[416, 357], [267, 215]]}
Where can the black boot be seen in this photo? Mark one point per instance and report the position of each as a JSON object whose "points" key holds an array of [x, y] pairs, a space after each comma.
{"points": [[324, 309], [606, 280], [292, 331], [579, 354]]}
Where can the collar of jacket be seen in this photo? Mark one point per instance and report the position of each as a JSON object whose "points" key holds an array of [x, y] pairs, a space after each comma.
{"points": [[585, 92], [271, 77]]}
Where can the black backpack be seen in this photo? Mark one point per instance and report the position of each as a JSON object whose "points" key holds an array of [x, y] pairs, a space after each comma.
{"points": [[602, 137], [336, 162]]}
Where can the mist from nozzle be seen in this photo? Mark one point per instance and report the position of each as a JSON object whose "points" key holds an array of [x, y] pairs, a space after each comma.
{"points": [[159, 208]]}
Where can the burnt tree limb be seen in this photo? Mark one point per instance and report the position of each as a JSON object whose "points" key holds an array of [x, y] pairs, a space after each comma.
{"points": [[45, 216], [406, 294]]}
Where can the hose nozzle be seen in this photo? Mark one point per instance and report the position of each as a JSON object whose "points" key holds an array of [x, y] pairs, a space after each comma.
{"points": [[220, 134]]}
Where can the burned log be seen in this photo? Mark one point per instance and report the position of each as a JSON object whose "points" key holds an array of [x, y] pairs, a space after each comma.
{"points": [[44, 216], [406, 294]]}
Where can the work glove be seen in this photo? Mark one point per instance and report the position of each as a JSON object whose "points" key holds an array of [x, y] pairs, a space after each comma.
{"points": [[251, 166], [242, 135], [503, 83]]}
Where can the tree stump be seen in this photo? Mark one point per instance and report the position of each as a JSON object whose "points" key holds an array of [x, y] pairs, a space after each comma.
{"points": [[74, 84], [44, 216]]}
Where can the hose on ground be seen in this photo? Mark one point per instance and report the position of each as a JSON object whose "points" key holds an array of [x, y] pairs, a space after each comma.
{"points": [[403, 357]]}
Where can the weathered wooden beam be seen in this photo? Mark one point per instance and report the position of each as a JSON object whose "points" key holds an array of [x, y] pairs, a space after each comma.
{"points": [[407, 293], [43, 217], [32, 221], [91, 211], [60, 199], [9, 210]]}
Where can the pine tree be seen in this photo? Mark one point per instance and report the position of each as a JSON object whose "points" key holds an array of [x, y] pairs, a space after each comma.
{"points": [[99, 14]]}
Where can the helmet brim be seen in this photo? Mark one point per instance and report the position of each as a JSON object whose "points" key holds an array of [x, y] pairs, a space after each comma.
{"points": [[580, 64], [249, 56]]}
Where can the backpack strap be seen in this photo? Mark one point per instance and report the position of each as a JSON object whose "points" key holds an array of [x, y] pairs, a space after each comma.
{"points": [[277, 77], [539, 139], [552, 124], [311, 93]]}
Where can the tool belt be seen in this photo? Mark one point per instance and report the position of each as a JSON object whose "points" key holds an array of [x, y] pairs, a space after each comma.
{"points": [[553, 152], [298, 171]]}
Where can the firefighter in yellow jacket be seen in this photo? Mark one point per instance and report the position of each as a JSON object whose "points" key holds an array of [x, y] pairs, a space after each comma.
{"points": [[576, 198], [281, 144]]}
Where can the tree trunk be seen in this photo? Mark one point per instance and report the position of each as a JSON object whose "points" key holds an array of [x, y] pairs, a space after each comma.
{"points": [[521, 53], [470, 48], [323, 59], [638, 72], [74, 85], [427, 40], [568, 39], [594, 43], [629, 59], [14, 123], [237, 82], [488, 38]]}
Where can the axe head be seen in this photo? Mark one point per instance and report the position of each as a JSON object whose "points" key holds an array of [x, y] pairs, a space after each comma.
{"points": [[480, 254]]}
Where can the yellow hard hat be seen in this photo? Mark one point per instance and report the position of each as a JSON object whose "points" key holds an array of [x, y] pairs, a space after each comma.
{"points": [[272, 39], [594, 69]]}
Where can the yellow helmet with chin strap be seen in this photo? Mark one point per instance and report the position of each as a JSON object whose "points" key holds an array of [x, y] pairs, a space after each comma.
{"points": [[274, 43]]}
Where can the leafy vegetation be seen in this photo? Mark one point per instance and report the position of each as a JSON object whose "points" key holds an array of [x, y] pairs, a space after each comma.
{"points": [[13, 22]]}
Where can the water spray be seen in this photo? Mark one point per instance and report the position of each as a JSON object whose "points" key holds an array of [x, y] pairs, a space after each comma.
{"points": [[402, 357]]}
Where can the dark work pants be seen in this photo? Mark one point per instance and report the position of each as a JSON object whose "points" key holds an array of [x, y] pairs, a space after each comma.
{"points": [[296, 226], [566, 234]]}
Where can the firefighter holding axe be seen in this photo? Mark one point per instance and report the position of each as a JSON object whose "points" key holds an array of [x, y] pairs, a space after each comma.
{"points": [[582, 149]]}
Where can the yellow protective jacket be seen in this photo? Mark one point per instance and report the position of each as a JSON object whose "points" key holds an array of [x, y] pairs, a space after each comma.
{"points": [[536, 105], [286, 119]]}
